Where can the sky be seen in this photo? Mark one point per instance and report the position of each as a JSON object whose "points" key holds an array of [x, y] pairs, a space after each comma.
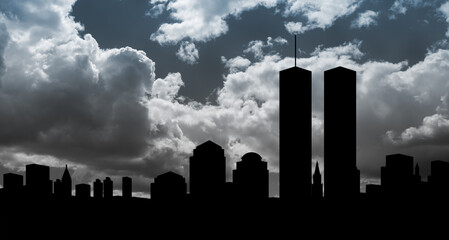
{"points": [[131, 87]]}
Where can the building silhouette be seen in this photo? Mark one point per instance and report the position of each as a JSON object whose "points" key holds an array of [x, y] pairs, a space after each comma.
{"points": [[127, 186], [439, 179], [207, 171], [82, 190], [317, 186], [295, 133], [169, 186], [341, 176], [38, 183], [12, 184], [98, 189], [108, 188], [66, 183], [57, 188], [397, 177], [251, 177]]}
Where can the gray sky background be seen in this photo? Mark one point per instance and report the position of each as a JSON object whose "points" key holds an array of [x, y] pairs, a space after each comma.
{"points": [[115, 88]]}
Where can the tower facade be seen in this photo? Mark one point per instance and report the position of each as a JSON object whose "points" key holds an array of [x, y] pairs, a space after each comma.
{"points": [[107, 188], [169, 186], [127, 183], [251, 177], [207, 171], [295, 134], [98, 189], [66, 183], [38, 181], [341, 176]]}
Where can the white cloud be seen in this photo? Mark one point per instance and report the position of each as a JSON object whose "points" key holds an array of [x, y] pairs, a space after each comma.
{"points": [[365, 19], [319, 14], [444, 9], [401, 6], [168, 87], [202, 20], [188, 53], [236, 64], [295, 27], [257, 47]]}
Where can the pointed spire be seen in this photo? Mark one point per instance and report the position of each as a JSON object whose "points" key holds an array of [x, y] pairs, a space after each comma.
{"points": [[66, 174], [417, 170], [317, 169]]}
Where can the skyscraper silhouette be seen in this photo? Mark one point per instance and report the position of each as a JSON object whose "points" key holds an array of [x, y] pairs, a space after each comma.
{"points": [[317, 186], [251, 177], [57, 188], [66, 183], [397, 175], [341, 176], [439, 179], [295, 133], [98, 189], [38, 181], [108, 188], [207, 171], [12, 184], [169, 186], [127, 186]]}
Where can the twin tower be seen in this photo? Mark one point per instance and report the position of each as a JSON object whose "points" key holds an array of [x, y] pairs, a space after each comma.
{"points": [[341, 176]]}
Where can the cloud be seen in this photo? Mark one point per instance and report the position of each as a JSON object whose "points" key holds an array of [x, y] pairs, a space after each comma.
{"points": [[295, 27], [257, 47], [236, 64], [401, 6], [158, 7], [168, 87], [444, 9], [434, 129], [188, 53], [202, 20], [365, 19], [319, 14]]}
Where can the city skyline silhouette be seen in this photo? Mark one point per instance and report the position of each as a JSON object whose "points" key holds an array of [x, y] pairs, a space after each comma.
{"points": [[400, 178]]}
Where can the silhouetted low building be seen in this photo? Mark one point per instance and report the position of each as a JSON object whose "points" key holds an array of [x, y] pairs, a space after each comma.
{"points": [[251, 177], [127, 184], [57, 188], [12, 184], [98, 189], [38, 183], [207, 171], [82, 190], [108, 188], [397, 177], [439, 179], [169, 186]]}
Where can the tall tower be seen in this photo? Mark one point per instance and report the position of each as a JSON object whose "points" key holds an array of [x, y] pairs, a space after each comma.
{"points": [[127, 187], [98, 189], [341, 176], [295, 133], [108, 188], [66, 183], [207, 171]]}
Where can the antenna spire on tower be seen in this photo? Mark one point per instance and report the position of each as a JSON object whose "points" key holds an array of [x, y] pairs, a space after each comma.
{"points": [[295, 50]]}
